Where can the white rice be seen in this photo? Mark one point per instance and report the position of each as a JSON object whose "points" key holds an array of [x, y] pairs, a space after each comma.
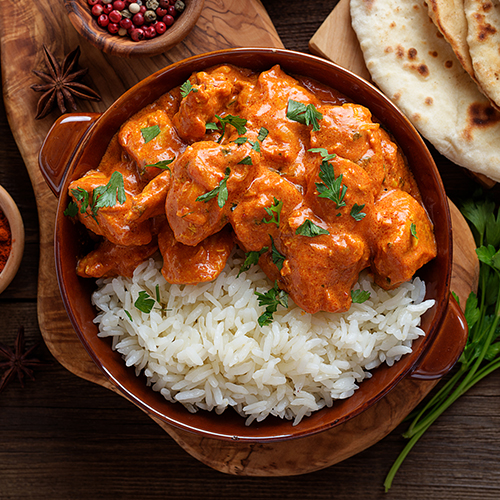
{"points": [[202, 345]]}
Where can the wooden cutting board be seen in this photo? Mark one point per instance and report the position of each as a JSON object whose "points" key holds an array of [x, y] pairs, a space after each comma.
{"points": [[24, 27]]}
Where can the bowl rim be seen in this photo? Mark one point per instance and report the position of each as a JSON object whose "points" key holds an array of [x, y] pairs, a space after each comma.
{"points": [[11, 212], [181, 67], [82, 20]]}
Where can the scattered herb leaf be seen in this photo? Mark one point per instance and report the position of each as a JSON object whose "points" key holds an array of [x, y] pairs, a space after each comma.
{"points": [[251, 258], [324, 153], [359, 296], [271, 300], [274, 211], [144, 302], [276, 257], [307, 115], [356, 212], [186, 88], [263, 133], [71, 209], [246, 161], [308, 228], [331, 187], [164, 164], [413, 230], [149, 133], [129, 315], [220, 191]]}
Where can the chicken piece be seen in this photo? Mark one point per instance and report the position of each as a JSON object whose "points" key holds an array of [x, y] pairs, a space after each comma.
{"points": [[213, 93], [110, 221], [401, 238], [285, 147], [250, 220], [319, 271], [151, 201], [194, 264], [205, 171], [344, 204], [109, 260], [148, 150]]}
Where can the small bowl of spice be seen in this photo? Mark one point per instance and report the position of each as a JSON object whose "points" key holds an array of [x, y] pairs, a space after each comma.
{"points": [[11, 239], [134, 28]]}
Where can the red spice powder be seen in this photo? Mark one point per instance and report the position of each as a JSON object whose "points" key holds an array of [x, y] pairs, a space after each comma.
{"points": [[5, 240]]}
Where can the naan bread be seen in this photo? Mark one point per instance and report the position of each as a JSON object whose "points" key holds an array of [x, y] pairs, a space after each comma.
{"points": [[449, 17], [412, 63], [483, 21]]}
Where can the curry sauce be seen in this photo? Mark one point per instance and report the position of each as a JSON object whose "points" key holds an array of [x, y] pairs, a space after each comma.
{"points": [[283, 167]]}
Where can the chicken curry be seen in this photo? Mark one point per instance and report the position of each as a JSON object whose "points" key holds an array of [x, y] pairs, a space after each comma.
{"points": [[303, 181]]}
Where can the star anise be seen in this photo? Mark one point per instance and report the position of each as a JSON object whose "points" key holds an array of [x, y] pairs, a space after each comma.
{"points": [[18, 361], [62, 83]]}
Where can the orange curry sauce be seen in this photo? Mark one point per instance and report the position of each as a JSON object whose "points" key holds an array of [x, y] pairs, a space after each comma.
{"points": [[379, 223]]}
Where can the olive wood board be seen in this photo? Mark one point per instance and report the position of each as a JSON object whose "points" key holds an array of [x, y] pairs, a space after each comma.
{"points": [[24, 27]]}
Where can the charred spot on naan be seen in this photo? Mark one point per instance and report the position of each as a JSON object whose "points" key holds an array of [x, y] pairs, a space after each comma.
{"points": [[484, 29], [480, 115]]}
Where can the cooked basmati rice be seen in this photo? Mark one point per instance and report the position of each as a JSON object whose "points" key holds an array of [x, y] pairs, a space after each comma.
{"points": [[202, 346]]}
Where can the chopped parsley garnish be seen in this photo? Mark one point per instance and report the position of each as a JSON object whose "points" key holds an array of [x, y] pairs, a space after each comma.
{"points": [[274, 211], [186, 88], [220, 191], [129, 315], [246, 161], [310, 229], [263, 133], [307, 115], [82, 196], [331, 187], [149, 133], [251, 258], [359, 296], [271, 300], [144, 302], [164, 164], [413, 230], [237, 122], [356, 212], [276, 257], [71, 209]]}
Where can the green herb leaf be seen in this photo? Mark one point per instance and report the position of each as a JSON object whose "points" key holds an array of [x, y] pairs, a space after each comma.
{"points": [[263, 133], [331, 187], [413, 230], [240, 140], [359, 296], [164, 164], [356, 212], [71, 209], [271, 300], [246, 161], [186, 88], [307, 115], [251, 258], [324, 153], [276, 257], [129, 315], [144, 302], [108, 195], [220, 191], [211, 126], [274, 211], [149, 133], [82, 196], [308, 228]]}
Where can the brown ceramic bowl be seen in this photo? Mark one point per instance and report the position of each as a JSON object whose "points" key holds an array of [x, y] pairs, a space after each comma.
{"points": [[11, 212], [86, 25], [88, 136]]}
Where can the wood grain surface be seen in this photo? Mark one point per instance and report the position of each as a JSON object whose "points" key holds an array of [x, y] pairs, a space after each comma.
{"points": [[64, 437]]}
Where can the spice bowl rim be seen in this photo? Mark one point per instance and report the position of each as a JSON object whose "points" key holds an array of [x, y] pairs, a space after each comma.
{"points": [[13, 215], [79, 14]]}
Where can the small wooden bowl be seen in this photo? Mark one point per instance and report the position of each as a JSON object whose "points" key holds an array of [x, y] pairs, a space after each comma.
{"points": [[86, 25], [11, 212]]}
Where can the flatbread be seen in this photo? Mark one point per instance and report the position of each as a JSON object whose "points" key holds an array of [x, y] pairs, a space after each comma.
{"points": [[483, 38], [449, 17], [412, 63]]}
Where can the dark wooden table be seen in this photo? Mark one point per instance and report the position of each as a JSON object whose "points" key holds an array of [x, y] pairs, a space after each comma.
{"points": [[62, 437]]}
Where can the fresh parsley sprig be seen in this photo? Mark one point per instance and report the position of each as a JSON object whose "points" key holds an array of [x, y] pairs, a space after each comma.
{"points": [[310, 229], [481, 354], [274, 211], [252, 258], [271, 300], [237, 122], [307, 115], [186, 88], [149, 133], [220, 191]]}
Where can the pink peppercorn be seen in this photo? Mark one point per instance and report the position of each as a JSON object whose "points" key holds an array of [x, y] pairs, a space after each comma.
{"points": [[161, 12], [103, 20], [149, 32], [93, 2], [138, 19], [172, 11], [113, 28], [115, 16], [119, 5], [160, 27], [107, 8], [126, 23], [137, 34], [168, 20], [97, 10]]}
